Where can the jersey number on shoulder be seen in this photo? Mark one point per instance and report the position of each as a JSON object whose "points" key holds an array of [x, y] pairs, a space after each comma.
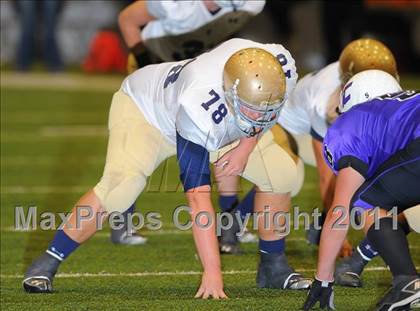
{"points": [[174, 73], [221, 110], [283, 62]]}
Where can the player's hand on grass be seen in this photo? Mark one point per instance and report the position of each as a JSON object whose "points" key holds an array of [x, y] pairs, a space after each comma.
{"points": [[321, 291], [211, 286], [346, 249], [232, 163]]}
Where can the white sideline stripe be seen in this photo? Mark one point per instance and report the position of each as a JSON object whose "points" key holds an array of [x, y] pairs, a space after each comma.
{"points": [[47, 160], [74, 130], [61, 81], [168, 273], [43, 189]]}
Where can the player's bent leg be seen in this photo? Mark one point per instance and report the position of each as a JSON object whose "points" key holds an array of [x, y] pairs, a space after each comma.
{"points": [[127, 166], [278, 174], [228, 240], [83, 223], [348, 272], [274, 270], [246, 209], [392, 245], [394, 184]]}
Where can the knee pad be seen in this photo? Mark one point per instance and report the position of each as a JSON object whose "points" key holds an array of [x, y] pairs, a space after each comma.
{"points": [[117, 191]]}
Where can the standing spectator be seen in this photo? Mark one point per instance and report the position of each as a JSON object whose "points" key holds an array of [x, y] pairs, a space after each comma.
{"points": [[28, 10]]}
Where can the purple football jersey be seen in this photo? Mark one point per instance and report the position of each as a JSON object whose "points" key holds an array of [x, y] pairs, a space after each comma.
{"points": [[368, 134]]}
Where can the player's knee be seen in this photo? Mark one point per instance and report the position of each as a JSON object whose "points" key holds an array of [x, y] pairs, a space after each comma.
{"points": [[117, 191]]}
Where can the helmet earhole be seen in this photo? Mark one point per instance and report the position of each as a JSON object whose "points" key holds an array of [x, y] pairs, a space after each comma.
{"points": [[250, 61], [257, 75]]}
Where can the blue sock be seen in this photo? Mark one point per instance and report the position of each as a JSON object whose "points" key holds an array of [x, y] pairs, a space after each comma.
{"points": [[366, 250], [61, 246], [227, 202], [271, 247], [246, 206]]}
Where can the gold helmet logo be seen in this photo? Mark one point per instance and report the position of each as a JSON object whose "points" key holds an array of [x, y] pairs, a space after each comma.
{"points": [[365, 54], [255, 87]]}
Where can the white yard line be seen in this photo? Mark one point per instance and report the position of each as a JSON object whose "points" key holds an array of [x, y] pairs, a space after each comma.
{"points": [[167, 273]]}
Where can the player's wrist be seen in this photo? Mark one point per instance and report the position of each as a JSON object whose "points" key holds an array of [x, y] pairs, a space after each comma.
{"points": [[141, 54], [214, 272], [324, 281]]}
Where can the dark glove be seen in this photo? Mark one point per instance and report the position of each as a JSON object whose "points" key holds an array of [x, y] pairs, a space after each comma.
{"points": [[321, 291], [138, 58]]}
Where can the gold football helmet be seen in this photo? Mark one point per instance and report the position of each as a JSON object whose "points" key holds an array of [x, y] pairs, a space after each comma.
{"points": [[364, 54], [255, 87]]}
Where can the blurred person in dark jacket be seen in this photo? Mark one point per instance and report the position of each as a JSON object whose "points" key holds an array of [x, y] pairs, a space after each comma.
{"points": [[38, 18]]}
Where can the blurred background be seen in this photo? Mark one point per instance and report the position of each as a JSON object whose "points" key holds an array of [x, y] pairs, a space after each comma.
{"points": [[58, 35]]}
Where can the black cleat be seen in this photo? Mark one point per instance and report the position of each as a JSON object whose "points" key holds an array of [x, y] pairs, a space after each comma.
{"points": [[348, 271], [40, 274], [125, 235], [121, 236], [405, 295], [313, 234], [275, 272], [228, 240]]}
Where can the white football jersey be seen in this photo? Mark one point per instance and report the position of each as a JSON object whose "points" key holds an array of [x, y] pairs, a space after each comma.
{"points": [[188, 97], [307, 106], [184, 29]]}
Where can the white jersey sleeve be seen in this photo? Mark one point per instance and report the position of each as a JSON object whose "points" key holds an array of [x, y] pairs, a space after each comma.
{"points": [[204, 119], [306, 108]]}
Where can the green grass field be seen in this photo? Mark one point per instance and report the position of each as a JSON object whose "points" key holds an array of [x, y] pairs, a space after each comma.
{"points": [[53, 144]]}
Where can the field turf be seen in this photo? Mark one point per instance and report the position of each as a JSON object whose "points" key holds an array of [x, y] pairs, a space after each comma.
{"points": [[53, 143]]}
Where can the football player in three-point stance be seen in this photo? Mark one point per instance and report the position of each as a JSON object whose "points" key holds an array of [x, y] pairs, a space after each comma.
{"points": [[188, 108], [311, 109], [173, 31], [373, 172]]}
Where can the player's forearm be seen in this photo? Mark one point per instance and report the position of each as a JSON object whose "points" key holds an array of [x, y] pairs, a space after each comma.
{"points": [[326, 185], [334, 232], [205, 236], [131, 19], [335, 227], [247, 144], [325, 175]]}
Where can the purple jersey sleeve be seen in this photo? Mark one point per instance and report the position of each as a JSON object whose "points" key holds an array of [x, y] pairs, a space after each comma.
{"points": [[343, 150]]}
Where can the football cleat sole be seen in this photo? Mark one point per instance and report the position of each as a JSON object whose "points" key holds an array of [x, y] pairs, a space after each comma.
{"points": [[37, 285], [296, 281], [348, 279]]}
